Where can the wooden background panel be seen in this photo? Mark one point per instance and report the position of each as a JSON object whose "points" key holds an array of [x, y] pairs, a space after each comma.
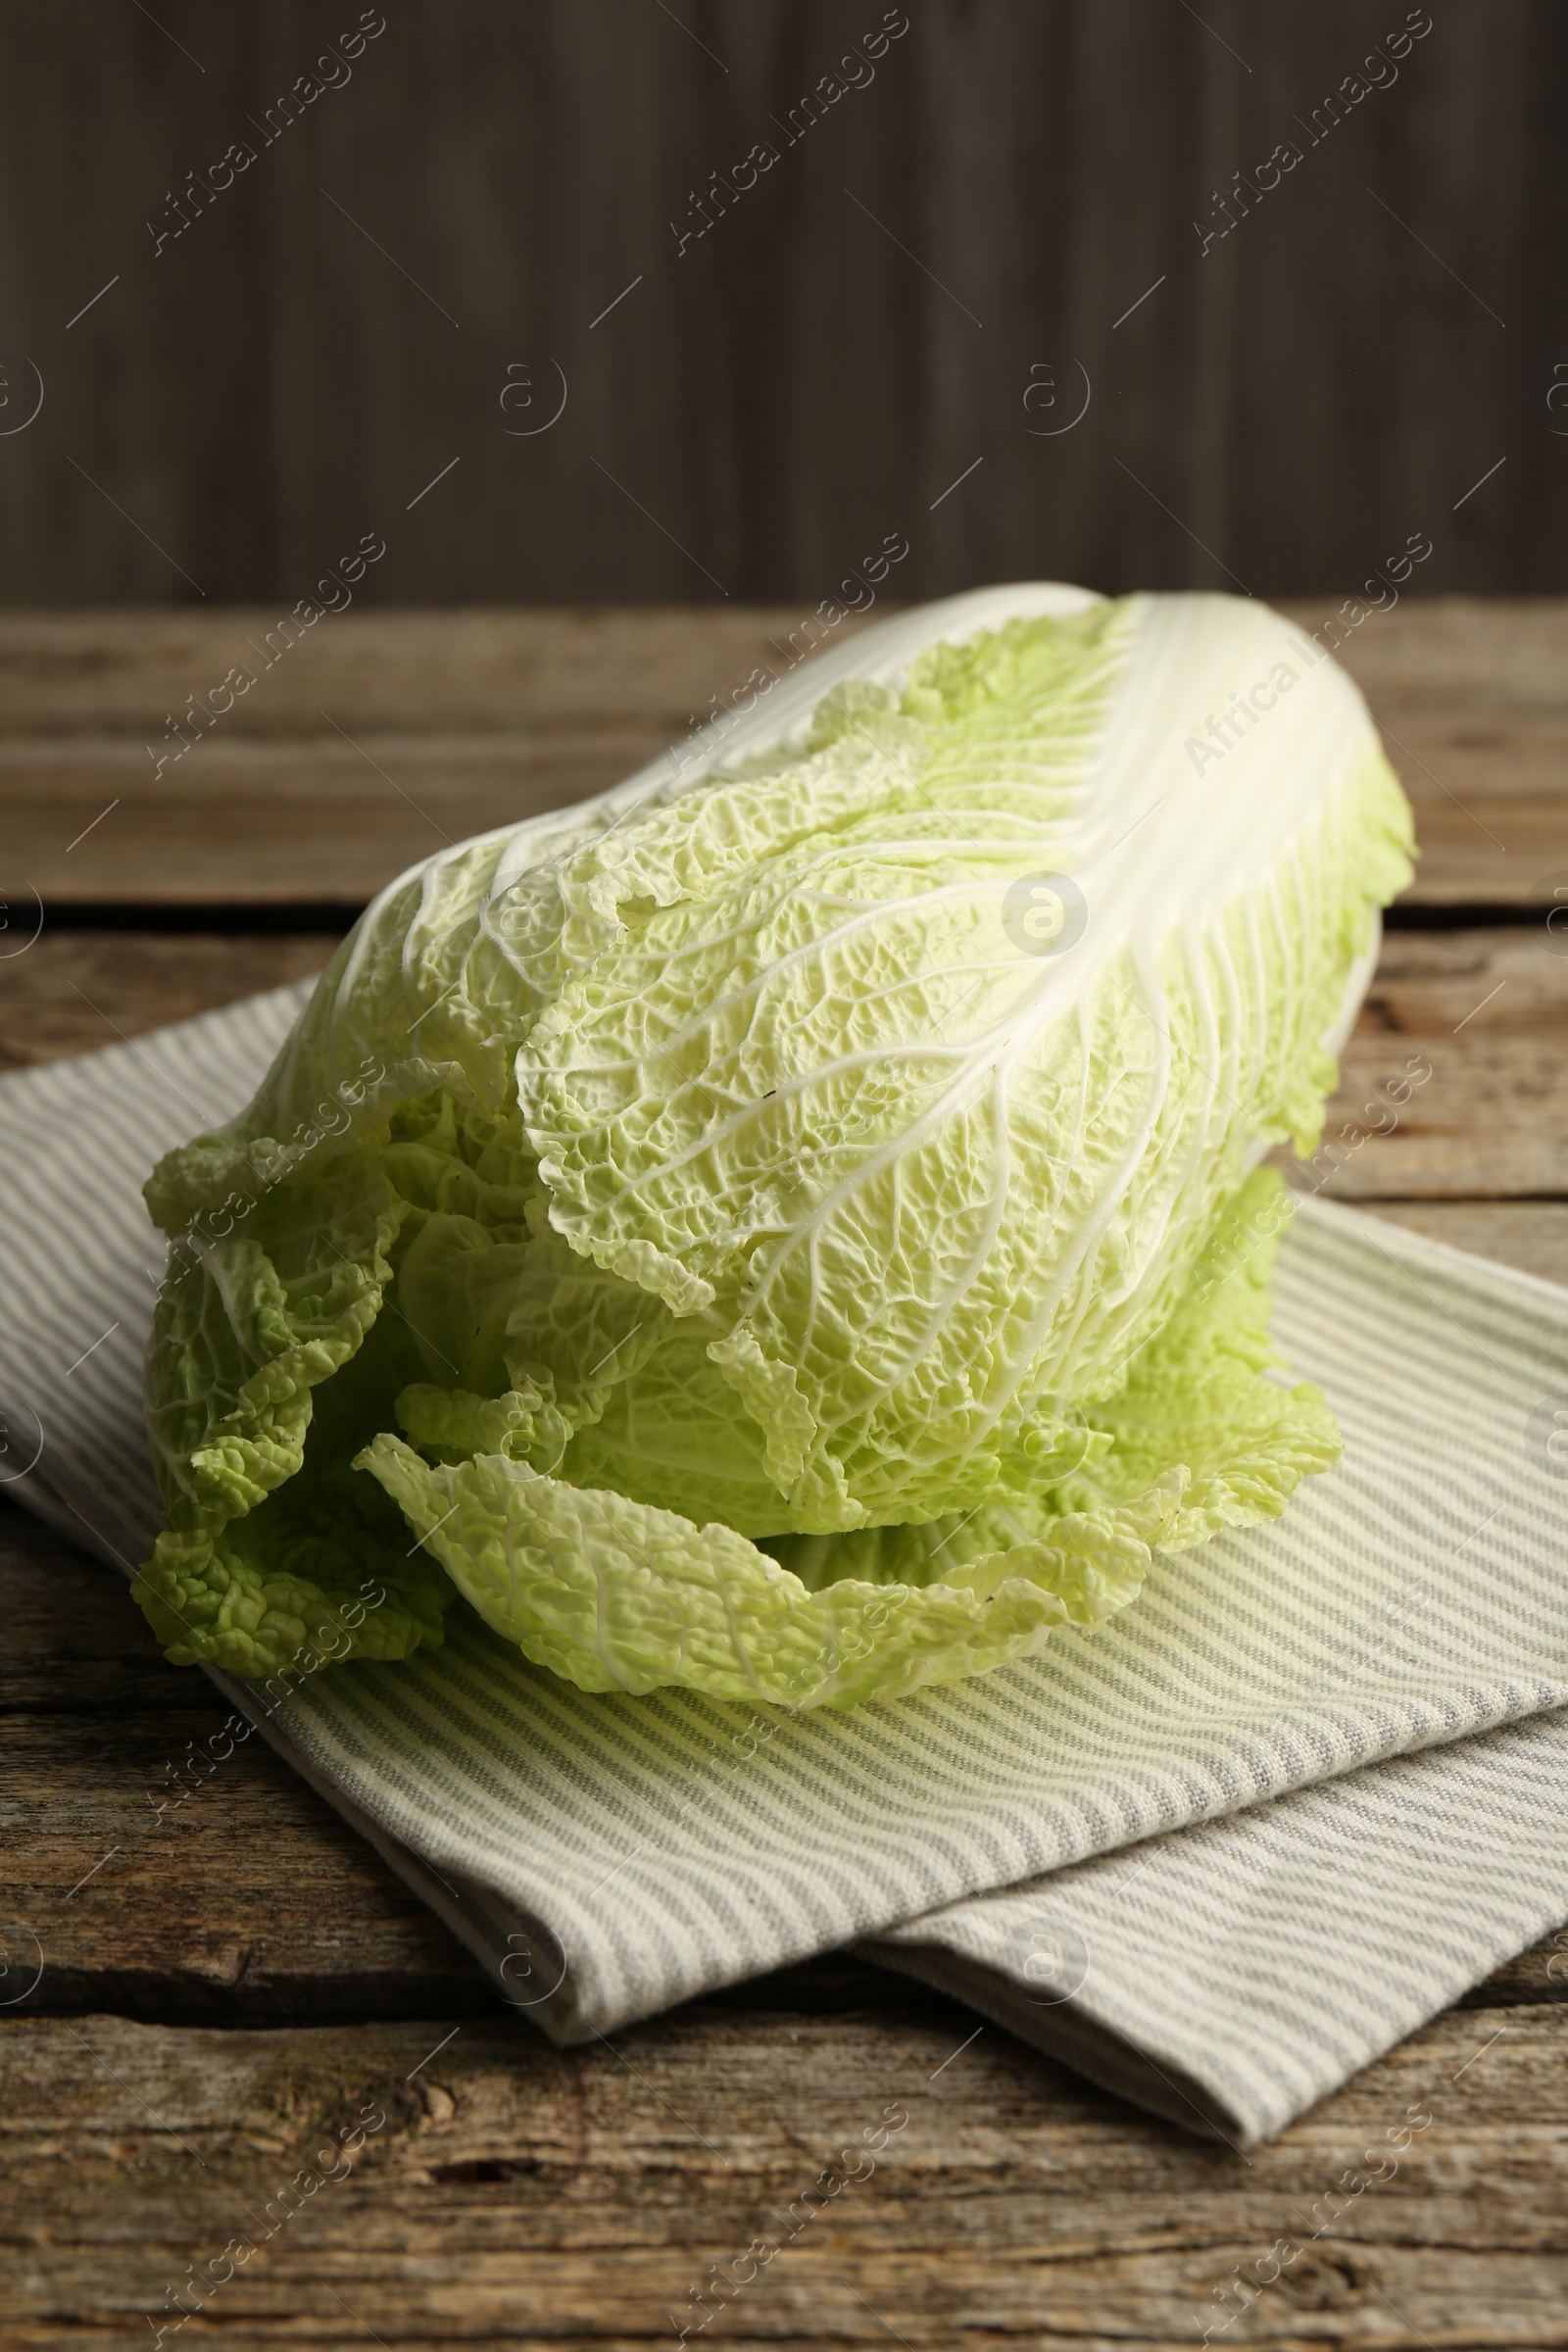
{"points": [[333, 330]]}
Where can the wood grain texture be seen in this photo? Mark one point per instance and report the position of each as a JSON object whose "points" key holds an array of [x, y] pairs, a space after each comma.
{"points": [[332, 331], [377, 738], [1487, 1012], [366, 745], [156, 1879], [73, 992], [506, 2194]]}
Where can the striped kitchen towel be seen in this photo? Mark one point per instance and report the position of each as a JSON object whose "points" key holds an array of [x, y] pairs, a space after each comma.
{"points": [[1218, 1854]]}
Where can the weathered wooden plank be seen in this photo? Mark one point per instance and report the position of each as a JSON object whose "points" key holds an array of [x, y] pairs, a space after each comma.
{"points": [[1485, 1012], [72, 991], [1484, 660], [505, 2194], [485, 670], [1484, 663], [357, 747], [455, 721], [250, 1903], [76, 1644], [315, 819], [245, 1896], [254, 823], [1472, 698]]}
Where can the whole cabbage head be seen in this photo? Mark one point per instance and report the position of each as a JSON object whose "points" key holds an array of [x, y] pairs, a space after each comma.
{"points": [[775, 1229]]}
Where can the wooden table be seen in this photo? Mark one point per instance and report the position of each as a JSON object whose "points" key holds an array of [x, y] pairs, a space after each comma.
{"points": [[219, 1993]]}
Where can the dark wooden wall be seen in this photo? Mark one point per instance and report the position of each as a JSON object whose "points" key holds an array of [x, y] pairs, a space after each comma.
{"points": [[1285, 410]]}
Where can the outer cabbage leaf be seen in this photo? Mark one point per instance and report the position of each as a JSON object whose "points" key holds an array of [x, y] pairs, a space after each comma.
{"points": [[730, 1170], [273, 1549], [616, 1595], [1198, 1392]]}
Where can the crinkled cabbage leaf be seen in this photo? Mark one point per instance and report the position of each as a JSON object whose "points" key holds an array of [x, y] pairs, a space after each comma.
{"points": [[732, 1241]]}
